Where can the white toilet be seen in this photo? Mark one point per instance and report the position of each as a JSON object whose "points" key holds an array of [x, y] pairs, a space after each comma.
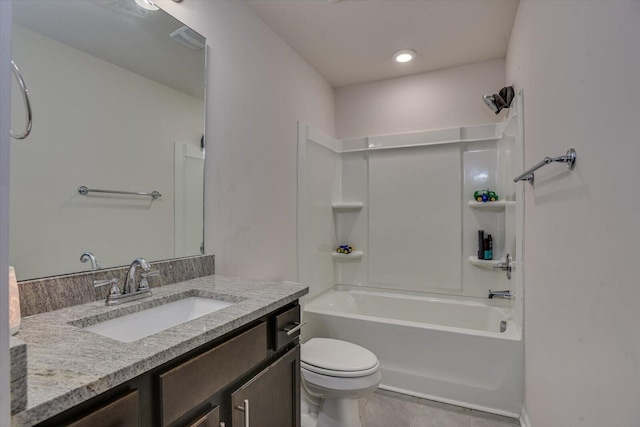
{"points": [[335, 374]]}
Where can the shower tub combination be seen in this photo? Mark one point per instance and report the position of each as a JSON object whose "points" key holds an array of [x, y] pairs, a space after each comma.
{"points": [[448, 349]]}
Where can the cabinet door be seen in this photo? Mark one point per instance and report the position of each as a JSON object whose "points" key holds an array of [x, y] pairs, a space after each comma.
{"points": [[122, 412], [271, 398]]}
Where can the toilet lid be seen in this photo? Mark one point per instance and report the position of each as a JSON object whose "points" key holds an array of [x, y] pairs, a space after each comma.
{"points": [[337, 358]]}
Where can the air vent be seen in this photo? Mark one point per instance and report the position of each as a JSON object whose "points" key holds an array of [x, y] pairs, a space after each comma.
{"points": [[186, 36]]}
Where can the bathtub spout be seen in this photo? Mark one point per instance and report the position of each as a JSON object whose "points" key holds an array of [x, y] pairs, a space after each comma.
{"points": [[499, 294]]}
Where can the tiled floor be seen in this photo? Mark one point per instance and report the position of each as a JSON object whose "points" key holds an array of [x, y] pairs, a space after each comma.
{"points": [[387, 409]]}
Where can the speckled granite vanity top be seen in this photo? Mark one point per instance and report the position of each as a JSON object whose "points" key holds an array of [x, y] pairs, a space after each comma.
{"points": [[67, 365]]}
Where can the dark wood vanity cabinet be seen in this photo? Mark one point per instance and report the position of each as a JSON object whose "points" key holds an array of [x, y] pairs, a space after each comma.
{"points": [[258, 363], [120, 412], [271, 398], [260, 366], [190, 383], [210, 419]]}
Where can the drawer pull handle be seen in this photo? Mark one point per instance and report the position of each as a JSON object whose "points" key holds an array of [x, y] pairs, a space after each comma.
{"points": [[245, 409], [290, 330]]}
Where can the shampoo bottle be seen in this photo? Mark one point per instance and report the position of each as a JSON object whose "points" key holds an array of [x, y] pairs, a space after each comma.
{"points": [[488, 248]]}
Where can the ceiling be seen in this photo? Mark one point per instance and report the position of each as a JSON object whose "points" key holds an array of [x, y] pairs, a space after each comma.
{"points": [[119, 32], [351, 41]]}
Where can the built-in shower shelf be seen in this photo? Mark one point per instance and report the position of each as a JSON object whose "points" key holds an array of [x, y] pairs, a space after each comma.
{"points": [[344, 257], [500, 204], [483, 263], [347, 206]]}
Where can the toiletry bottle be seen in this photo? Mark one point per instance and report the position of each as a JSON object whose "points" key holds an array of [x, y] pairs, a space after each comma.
{"points": [[491, 245], [488, 248], [480, 244]]}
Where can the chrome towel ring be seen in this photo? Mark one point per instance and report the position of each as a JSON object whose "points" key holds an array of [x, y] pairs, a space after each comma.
{"points": [[27, 104]]}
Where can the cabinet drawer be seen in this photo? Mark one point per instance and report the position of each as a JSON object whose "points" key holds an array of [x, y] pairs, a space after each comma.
{"points": [[187, 385], [210, 419], [122, 412], [284, 322]]}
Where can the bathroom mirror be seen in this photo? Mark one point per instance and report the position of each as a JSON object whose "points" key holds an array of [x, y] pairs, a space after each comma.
{"points": [[117, 93]]}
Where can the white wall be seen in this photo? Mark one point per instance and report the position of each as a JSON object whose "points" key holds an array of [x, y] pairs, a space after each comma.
{"points": [[115, 130], [258, 89], [579, 66], [435, 100]]}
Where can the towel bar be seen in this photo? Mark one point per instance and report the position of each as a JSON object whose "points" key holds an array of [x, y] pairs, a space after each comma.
{"points": [[569, 158], [84, 191]]}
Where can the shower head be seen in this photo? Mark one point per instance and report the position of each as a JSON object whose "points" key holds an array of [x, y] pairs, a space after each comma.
{"points": [[491, 102], [499, 100]]}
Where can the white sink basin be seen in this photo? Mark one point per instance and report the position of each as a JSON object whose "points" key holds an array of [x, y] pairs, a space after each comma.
{"points": [[135, 326]]}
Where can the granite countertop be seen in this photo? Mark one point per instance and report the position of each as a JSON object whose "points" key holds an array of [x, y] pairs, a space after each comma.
{"points": [[67, 365]]}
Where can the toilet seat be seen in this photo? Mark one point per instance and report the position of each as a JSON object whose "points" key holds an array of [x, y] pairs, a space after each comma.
{"points": [[326, 356]]}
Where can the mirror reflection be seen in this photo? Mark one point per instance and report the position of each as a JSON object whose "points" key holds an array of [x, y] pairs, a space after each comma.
{"points": [[117, 93]]}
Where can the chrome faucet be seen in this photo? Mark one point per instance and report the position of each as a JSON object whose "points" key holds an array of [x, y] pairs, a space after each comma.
{"points": [[88, 256], [131, 290], [130, 285], [500, 294]]}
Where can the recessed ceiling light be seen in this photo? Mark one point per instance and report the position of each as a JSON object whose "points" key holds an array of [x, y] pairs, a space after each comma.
{"points": [[147, 4], [404, 55]]}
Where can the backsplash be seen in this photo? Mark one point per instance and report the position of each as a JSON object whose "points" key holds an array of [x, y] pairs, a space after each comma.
{"points": [[53, 293]]}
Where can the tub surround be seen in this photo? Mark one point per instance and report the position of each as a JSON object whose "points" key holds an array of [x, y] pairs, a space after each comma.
{"points": [[85, 365], [53, 293], [18, 356], [387, 181]]}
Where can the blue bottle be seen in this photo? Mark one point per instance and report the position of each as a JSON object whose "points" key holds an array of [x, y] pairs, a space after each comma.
{"points": [[488, 247]]}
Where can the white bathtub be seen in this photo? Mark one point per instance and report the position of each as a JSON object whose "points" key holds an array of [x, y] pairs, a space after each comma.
{"points": [[439, 348]]}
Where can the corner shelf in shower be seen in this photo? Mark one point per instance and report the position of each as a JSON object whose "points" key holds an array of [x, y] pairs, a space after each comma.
{"points": [[355, 255], [347, 206], [500, 204], [349, 210], [483, 263]]}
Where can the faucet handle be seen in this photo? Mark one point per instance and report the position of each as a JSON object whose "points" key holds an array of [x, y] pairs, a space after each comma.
{"points": [[507, 266], [97, 283], [144, 283], [114, 290]]}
